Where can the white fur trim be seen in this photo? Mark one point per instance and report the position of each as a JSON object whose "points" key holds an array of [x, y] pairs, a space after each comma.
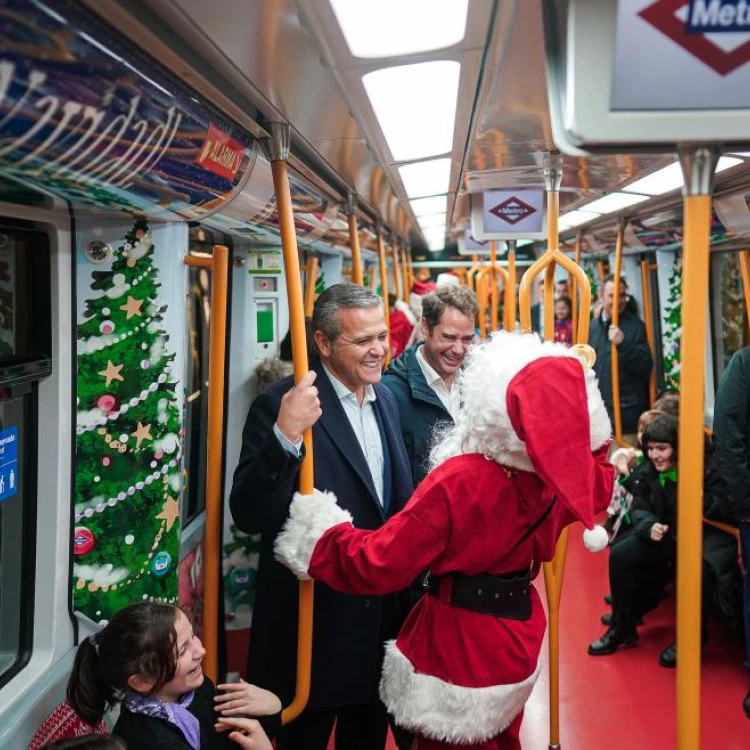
{"points": [[596, 539], [446, 712], [601, 429], [483, 424], [310, 516], [406, 310]]}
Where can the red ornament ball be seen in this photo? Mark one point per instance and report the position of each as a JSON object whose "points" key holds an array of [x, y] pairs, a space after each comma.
{"points": [[106, 402], [158, 455], [107, 327], [106, 461], [83, 541]]}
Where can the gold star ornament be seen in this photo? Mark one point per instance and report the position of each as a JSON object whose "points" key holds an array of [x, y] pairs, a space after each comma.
{"points": [[111, 373], [132, 307], [170, 512], [143, 432]]}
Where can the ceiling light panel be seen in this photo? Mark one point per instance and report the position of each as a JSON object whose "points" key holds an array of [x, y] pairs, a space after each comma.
{"points": [[670, 178], [575, 219], [427, 222], [437, 204], [371, 31], [426, 178], [416, 107], [614, 202]]}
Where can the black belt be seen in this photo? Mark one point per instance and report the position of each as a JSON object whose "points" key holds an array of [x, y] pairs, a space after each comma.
{"points": [[507, 595]]}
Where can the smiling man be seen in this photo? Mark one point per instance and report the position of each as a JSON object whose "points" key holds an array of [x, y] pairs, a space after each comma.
{"points": [[425, 379], [359, 455]]}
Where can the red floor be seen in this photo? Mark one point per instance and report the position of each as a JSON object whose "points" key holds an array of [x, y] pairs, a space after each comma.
{"points": [[626, 701]]}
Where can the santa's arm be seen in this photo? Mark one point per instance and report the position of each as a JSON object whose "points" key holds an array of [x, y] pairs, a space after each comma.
{"points": [[318, 541]]}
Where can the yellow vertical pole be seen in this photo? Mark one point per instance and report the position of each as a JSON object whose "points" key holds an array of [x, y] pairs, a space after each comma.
{"points": [[394, 262], [482, 295], [574, 286], [405, 275], [383, 274], [357, 277], [745, 270], [698, 166], [648, 316], [509, 309], [311, 276], [493, 286], [219, 264], [279, 151], [615, 321]]}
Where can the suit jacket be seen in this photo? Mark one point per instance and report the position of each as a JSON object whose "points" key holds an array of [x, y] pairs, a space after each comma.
{"points": [[348, 630]]}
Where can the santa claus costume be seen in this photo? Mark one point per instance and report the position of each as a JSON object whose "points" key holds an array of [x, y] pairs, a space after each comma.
{"points": [[526, 457]]}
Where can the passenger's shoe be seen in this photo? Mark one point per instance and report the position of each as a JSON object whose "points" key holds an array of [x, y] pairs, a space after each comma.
{"points": [[746, 705], [615, 637], [668, 657]]}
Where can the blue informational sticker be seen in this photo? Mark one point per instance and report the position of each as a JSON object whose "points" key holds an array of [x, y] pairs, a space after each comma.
{"points": [[8, 462]]}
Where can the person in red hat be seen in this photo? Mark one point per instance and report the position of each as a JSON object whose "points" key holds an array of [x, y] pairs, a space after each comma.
{"points": [[525, 458]]}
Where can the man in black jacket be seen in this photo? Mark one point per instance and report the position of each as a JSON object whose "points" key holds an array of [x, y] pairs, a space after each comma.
{"points": [[732, 441], [360, 457], [634, 356], [424, 379]]}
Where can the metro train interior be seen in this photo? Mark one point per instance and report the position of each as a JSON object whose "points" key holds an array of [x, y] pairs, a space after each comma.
{"points": [[143, 282]]}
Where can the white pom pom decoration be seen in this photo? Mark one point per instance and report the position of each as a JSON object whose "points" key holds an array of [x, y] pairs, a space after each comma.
{"points": [[596, 539]]}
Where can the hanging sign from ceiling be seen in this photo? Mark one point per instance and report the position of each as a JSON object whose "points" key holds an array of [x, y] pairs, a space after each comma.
{"points": [[508, 215], [468, 244], [639, 75]]}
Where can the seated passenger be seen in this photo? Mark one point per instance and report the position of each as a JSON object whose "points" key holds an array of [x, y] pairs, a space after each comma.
{"points": [[642, 562], [148, 659]]}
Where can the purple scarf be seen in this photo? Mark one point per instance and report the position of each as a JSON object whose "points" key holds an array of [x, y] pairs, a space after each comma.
{"points": [[174, 713]]}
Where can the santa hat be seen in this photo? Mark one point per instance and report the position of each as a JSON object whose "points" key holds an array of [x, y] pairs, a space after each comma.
{"points": [[524, 403], [418, 290], [448, 279]]}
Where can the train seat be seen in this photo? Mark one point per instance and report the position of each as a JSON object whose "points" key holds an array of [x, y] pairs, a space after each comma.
{"points": [[62, 724]]}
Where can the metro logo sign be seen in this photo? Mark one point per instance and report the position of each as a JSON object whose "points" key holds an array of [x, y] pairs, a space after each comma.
{"points": [[697, 26], [512, 210]]}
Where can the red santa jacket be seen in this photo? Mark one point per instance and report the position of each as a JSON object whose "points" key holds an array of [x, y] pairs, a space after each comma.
{"points": [[452, 674]]}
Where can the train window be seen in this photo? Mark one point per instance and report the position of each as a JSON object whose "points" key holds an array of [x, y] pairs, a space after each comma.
{"points": [[730, 318], [196, 379], [25, 347]]}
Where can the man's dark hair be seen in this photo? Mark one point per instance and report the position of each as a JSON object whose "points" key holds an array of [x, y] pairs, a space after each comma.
{"points": [[611, 277], [460, 297], [325, 313], [663, 429]]}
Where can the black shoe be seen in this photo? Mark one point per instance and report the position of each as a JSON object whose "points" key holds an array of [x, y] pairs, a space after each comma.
{"points": [[608, 599], [612, 640], [668, 657], [606, 619], [746, 705]]}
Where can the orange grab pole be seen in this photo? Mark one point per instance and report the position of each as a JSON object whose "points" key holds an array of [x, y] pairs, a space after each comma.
{"points": [[396, 279], [615, 321], [405, 275], [509, 308], [219, 264], [357, 277], [494, 296], [482, 291], [384, 287], [574, 284], [310, 279], [698, 167], [745, 270], [299, 354], [648, 315]]}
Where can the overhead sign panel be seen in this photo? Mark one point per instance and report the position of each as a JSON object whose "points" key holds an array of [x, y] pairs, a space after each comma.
{"points": [[508, 215], [648, 73], [468, 244]]}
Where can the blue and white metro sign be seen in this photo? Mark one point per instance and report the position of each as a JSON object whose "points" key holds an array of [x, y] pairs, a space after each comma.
{"points": [[8, 462]]}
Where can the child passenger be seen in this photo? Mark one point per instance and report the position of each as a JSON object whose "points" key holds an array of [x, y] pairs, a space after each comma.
{"points": [[148, 659]]}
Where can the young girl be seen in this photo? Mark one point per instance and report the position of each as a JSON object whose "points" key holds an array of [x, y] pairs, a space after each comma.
{"points": [[148, 659], [563, 320]]}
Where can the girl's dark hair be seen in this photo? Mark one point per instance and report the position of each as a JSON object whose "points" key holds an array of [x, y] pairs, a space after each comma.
{"points": [[566, 300], [139, 640], [663, 429], [89, 742]]}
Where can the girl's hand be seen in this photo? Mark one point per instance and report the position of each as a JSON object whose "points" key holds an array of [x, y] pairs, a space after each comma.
{"points": [[658, 530], [247, 733], [243, 699]]}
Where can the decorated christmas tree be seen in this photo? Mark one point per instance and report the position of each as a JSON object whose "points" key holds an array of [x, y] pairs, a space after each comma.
{"points": [[128, 440], [673, 327]]}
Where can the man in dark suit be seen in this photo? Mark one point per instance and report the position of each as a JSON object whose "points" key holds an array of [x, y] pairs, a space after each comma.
{"points": [[360, 457]]}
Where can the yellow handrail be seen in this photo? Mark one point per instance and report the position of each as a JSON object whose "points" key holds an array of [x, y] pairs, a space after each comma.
{"points": [[383, 276], [299, 354], [574, 284], [405, 275], [745, 270], [219, 265], [311, 276], [697, 217], [394, 261], [357, 277], [509, 305], [494, 293], [484, 293], [648, 316], [554, 571], [614, 354]]}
